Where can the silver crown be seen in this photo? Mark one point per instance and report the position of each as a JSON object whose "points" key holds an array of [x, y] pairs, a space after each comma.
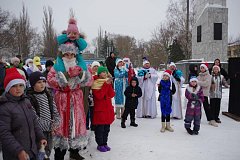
{"points": [[68, 48]]}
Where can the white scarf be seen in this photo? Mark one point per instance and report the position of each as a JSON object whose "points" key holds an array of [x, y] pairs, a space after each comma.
{"points": [[69, 63]]}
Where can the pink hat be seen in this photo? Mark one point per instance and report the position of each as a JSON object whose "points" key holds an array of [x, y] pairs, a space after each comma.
{"points": [[215, 66], [72, 26], [204, 66]]}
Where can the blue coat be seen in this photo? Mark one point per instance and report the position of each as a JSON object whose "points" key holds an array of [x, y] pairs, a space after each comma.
{"points": [[120, 84], [166, 90]]}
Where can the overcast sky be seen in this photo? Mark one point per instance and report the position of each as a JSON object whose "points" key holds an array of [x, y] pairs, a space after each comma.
{"points": [[136, 18]]}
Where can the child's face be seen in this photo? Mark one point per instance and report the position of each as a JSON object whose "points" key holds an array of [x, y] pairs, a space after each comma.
{"points": [[95, 68], [133, 83], [39, 86], [165, 77], [69, 55], [215, 70], [17, 90], [202, 69], [120, 64], [73, 35], [193, 83], [195, 68], [103, 75]]}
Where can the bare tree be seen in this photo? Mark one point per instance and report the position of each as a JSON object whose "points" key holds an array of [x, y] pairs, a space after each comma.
{"points": [[49, 35], [24, 33]]}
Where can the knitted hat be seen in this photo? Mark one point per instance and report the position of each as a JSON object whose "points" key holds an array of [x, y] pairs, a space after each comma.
{"points": [[145, 62], [215, 66], [49, 63], [15, 59], [167, 73], [36, 61], [95, 63], [172, 64], [102, 69], [12, 78], [72, 26], [204, 66], [36, 76], [193, 78]]}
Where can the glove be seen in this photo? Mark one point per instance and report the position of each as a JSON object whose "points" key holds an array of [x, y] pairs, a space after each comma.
{"points": [[74, 71], [148, 75]]}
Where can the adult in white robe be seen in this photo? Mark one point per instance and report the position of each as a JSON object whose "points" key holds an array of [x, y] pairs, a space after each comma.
{"points": [[147, 107], [178, 81]]}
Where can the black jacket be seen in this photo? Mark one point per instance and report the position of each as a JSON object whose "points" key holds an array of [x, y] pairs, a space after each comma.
{"points": [[192, 71], [111, 64], [19, 129], [2, 76], [132, 101]]}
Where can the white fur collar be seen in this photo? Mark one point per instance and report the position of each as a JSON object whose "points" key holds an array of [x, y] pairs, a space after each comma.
{"points": [[190, 89]]}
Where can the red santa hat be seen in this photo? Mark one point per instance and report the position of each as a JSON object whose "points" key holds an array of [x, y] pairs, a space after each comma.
{"points": [[12, 78], [167, 73], [72, 26], [204, 66]]}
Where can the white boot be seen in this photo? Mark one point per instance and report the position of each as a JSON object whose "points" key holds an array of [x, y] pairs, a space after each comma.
{"points": [[163, 127], [168, 127], [213, 123]]}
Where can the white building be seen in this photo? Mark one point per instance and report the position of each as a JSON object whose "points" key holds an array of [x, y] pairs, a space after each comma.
{"points": [[210, 31]]}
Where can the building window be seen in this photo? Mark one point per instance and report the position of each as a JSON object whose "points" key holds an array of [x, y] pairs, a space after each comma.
{"points": [[217, 31], [199, 33]]}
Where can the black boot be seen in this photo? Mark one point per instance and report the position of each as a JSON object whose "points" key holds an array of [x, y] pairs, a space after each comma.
{"points": [[133, 123], [123, 124], [189, 131], [59, 154], [74, 155]]}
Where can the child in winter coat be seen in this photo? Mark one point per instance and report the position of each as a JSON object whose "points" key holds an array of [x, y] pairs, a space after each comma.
{"points": [[103, 112], [166, 89], [195, 97], [204, 80], [132, 93], [44, 107], [20, 132], [218, 81]]}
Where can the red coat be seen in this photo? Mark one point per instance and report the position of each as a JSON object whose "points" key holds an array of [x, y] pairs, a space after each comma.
{"points": [[103, 112]]}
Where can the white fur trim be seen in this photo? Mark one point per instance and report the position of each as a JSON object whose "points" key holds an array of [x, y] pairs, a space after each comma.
{"points": [[13, 82], [118, 60], [145, 62], [204, 66], [95, 63], [172, 64], [194, 79], [167, 74], [190, 89]]}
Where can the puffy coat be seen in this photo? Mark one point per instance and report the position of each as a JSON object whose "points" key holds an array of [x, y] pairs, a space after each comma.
{"points": [[103, 112], [132, 101], [19, 129], [204, 80]]}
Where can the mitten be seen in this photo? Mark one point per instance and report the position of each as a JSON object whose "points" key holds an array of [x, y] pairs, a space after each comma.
{"points": [[74, 71]]}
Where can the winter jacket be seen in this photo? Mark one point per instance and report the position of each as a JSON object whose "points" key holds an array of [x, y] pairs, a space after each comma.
{"points": [[45, 108], [19, 129], [2, 73], [132, 102], [192, 71], [195, 100], [103, 112], [166, 89], [204, 80], [65, 98], [216, 87], [111, 63]]}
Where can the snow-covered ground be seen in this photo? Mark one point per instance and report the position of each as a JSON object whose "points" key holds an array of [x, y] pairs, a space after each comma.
{"points": [[147, 142]]}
